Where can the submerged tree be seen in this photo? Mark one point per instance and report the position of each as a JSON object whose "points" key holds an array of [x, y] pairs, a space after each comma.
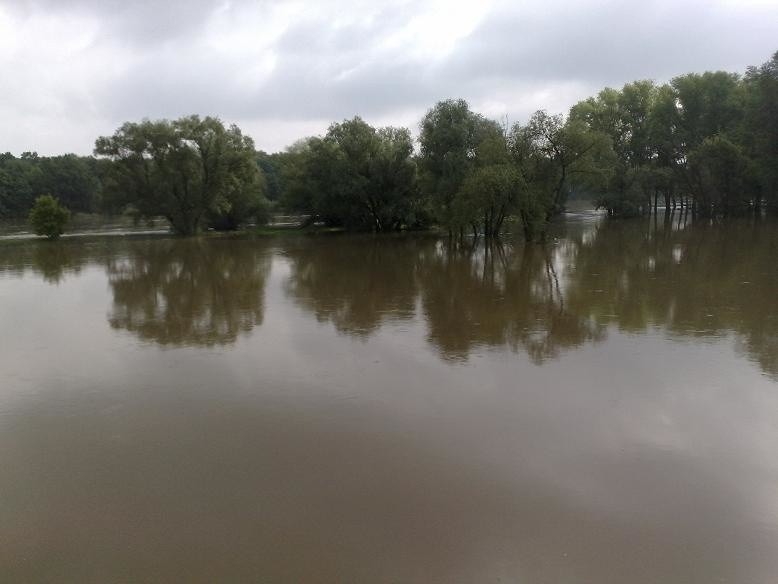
{"points": [[703, 141], [189, 170], [48, 217], [624, 149], [721, 176], [555, 156], [493, 190], [624, 119], [450, 137], [356, 176], [760, 128]]}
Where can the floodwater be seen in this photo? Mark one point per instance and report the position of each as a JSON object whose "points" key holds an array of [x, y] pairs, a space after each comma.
{"points": [[600, 409]]}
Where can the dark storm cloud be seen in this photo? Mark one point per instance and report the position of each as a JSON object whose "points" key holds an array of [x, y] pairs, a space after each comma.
{"points": [[74, 69]]}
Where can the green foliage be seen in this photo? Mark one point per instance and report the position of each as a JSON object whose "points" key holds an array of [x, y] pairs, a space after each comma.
{"points": [[356, 176], [722, 175], [71, 179], [555, 156], [624, 118], [703, 141], [17, 176], [707, 105], [487, 197], [48, 217], [450, 138], [476, 175], [271, 166], [189, 170], [706, 142], [760, 127]]}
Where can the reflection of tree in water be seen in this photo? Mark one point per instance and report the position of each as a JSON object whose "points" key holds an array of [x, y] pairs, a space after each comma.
{"points": [[51, 260], [54, 261], [693, 280], [702, 280], [189, 292], [499, 296], [355, 282], [690, 280], [471, 297], [686, 279]]}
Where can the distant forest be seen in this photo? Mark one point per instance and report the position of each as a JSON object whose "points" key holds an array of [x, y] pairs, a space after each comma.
{"points": [[703, 143]]}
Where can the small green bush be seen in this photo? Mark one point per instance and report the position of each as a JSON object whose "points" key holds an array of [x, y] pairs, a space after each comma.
{"points": [[48, 217]]}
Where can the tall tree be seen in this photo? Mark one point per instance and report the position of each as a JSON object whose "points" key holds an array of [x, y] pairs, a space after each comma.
{"points": [[356, 176], [449, 139], [722, 177], [556, 156], [186, 170], [760, 135], [624, 116], [493, 190]]}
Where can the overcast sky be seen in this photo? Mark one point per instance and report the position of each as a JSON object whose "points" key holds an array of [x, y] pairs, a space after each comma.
{"points": [[71, 70]]}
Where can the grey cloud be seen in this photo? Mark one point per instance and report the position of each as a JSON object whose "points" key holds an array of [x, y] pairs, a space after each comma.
{"points": [[312, 37], [320, 72], [134, 23], [333, 60], [615, 42]]}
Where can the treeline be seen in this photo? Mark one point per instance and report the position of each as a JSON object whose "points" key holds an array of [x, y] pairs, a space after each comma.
{"points": [[704, 143], [194, 172], [707, 142], [76, 181]]}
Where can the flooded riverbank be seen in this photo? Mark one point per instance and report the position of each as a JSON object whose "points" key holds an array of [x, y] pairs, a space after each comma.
{"points": [[338, 408]]}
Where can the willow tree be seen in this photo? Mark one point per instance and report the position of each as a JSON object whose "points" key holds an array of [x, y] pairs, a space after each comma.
{"points": [[723, 179], [450, 137], [760, 135], [187, 170], [557, 155], [625, 117], [493, 190], [356, 176]]}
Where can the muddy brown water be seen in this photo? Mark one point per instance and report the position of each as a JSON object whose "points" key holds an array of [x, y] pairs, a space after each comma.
{"points": [[600, 409]]}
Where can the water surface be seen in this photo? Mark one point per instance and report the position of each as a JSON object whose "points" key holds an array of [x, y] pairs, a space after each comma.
{"points": [[599, 409]]}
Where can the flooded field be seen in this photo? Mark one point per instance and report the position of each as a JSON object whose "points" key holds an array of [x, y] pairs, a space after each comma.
{"points": [[339, 408]]}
